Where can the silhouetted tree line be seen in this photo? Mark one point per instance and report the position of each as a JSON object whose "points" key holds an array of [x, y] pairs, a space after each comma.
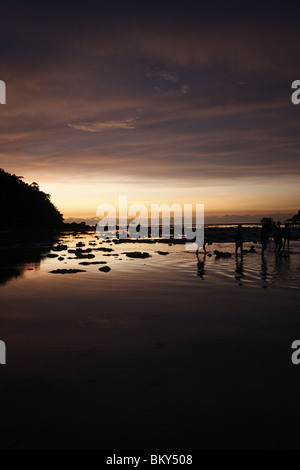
{"points": [[269, 224], [295, 220], [25, 205]]}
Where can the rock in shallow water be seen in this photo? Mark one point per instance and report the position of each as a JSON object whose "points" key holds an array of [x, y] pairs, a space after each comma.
{"points": [[107, 250], [67, 271], [137, 254], [81, 256], [105, 269], [222, 254], [60, 248], [87, 263]]}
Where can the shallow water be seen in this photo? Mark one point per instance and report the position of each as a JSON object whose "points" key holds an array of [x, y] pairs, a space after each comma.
{"points": [[178, 264], [157, 353]]}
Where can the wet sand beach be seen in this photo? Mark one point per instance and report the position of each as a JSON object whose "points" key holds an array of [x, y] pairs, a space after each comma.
{"points": [[159, 352]]}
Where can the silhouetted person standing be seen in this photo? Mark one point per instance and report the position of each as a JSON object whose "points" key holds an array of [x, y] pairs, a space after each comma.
{"points": [[264, 239], [286, 236], [239, 239]]}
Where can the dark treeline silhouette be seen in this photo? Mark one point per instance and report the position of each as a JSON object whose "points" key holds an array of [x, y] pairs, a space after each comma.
{"points": [[295, 220], [24, 205]]}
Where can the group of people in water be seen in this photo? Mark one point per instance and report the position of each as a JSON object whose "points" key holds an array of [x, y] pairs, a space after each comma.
{"points": [[281, 241], [281, 237]]}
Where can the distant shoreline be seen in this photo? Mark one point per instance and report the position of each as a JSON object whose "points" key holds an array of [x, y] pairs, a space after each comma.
{"points": [[214, 233]]}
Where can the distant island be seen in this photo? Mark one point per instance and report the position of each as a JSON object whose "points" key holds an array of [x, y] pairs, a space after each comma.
{"points": [[24, 205]]}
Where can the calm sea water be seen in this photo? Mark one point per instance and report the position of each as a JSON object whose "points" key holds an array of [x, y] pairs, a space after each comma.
{"points": [[163, 352], [173, 263]]}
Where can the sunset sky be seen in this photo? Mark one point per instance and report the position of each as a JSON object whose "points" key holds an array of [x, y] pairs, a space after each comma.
{"points": [[162, 102]]}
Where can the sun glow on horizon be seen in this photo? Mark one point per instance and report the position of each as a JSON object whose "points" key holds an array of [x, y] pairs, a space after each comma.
{"points": [[80, 200]]}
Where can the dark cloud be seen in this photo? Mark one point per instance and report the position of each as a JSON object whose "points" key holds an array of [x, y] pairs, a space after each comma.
{"points": [[174, 91]]}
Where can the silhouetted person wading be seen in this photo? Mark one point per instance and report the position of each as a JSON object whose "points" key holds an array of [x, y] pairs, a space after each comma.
{"points": [[239, 240]]}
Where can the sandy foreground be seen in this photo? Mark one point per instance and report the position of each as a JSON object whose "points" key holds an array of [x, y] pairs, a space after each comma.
{"points": [[152, 355]]}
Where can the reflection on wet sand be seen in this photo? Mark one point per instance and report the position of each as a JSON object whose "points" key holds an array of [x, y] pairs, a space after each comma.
{"points": [[148, 343], [201, 264], [63, 253], [264, 268], [239, 259]]}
